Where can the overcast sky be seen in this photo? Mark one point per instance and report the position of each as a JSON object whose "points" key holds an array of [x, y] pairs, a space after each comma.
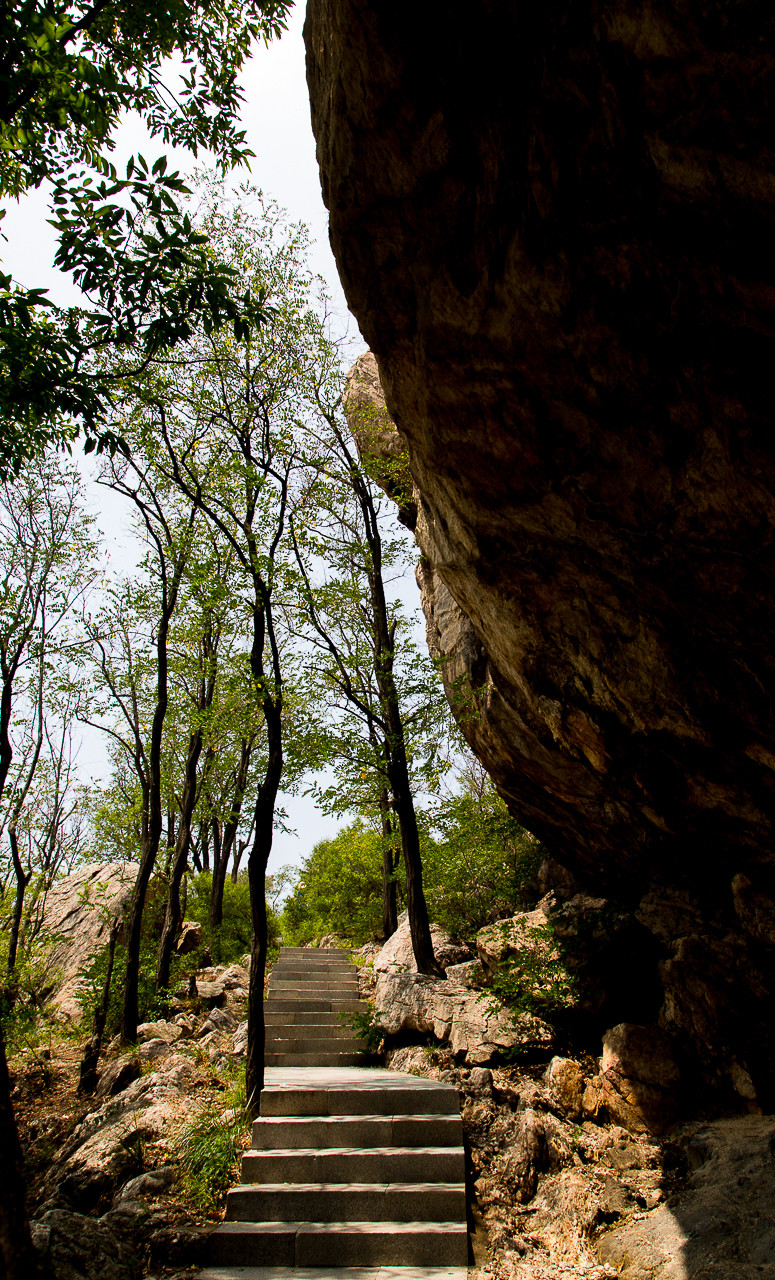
{"points": [[278, 127]]}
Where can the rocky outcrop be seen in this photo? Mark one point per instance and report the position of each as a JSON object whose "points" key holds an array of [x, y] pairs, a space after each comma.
{"points": [[554, 226], [474, 1025], [397, 954], [75, 924], [720, 1224]]}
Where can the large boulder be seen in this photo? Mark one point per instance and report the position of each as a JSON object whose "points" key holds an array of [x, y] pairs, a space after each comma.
{"points": [[397, 954], [553, 224], [639, 1078], [109, 1146], [473, 1024], [77, 917]]}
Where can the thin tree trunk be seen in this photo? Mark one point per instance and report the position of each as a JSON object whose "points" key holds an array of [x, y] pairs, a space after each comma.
{"points": [[22, 880], [18, 1260], [131, 1013], [91, 1055], [257, 864], [172, 915], [389, 867], [229, 839]]}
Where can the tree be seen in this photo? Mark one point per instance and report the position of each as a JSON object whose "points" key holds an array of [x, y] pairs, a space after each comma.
{"points": [[169, 536], [46, 556], [227, 414], [338, 889], [70, 70], [361, 639]]}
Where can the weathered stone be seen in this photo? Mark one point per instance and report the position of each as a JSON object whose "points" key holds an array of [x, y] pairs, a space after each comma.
{"points": [[721, 1225], [474, 1027], [213, 993], [77, 916], [153, 1183], [117, 1075], [397, 954], [154, 1049], [107, 1147], [566, 1081], [190, 937], [554, 227], [639, 1078], [169, 1031], [74, 1247], [525, 931], [240, 1040], [468, 974]]}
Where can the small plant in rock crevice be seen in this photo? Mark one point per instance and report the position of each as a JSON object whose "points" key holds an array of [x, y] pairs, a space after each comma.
{"points": [[365, 1027]]}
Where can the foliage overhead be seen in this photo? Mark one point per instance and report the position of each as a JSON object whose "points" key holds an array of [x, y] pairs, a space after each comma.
{"points": [[70, 73]]}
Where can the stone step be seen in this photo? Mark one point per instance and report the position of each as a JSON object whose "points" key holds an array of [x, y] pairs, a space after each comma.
{"points": [[277, 1043], [281, 1004], [284, 1132], [309, 1030], [343, 1244], [374, 1094], [302, 970], [347, 1202], [313, 1059], [341, 987], [355, 1164], [334, 1273], [304, 1019]]}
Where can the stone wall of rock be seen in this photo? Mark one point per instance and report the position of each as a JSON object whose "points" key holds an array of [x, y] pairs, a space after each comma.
{"points": [[554, 226]]}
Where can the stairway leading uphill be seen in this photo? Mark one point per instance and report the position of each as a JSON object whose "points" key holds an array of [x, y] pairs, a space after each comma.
{"points": [[308, 991], [353, 1172]]}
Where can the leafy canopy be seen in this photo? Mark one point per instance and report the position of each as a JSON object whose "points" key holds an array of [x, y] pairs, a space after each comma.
{"points": [[69, 73]]}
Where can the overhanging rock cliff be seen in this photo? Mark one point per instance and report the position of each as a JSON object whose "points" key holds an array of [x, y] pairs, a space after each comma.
{"points": [[555, 225]]}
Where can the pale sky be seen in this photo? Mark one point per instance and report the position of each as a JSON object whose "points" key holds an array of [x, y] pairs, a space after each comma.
{"points": [[278, 127]]}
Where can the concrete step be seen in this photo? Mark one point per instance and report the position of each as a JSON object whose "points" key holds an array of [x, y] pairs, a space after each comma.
{"points": [[335, 1030], [313, 1059], [344, 1244], [281, 1004], [324, 1021], [284, 1132], [374, 1094], [348, 1202], [355, 1164], [298, 970], [334, 1273], [314, 1044], [342, 988]]}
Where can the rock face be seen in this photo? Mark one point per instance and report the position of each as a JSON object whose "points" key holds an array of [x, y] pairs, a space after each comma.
{"points": [[721, 1225], [554, 226], [397, 954], [77, 917]]}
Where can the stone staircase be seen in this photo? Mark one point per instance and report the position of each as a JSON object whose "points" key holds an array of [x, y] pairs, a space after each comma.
{"points": [[308, 990], [353, 1172]]}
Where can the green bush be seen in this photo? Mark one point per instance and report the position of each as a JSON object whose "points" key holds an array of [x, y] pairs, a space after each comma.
{"points": [[235, 932], [534, 979], [482, 867], [339, 890]]}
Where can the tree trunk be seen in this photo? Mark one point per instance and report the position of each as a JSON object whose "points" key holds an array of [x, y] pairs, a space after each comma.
{"points": [[221, 864], [389, 867], [172, 915], [18, 1260], [259, 945], [131, 1014], [91, 1054], [22, 880]]}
